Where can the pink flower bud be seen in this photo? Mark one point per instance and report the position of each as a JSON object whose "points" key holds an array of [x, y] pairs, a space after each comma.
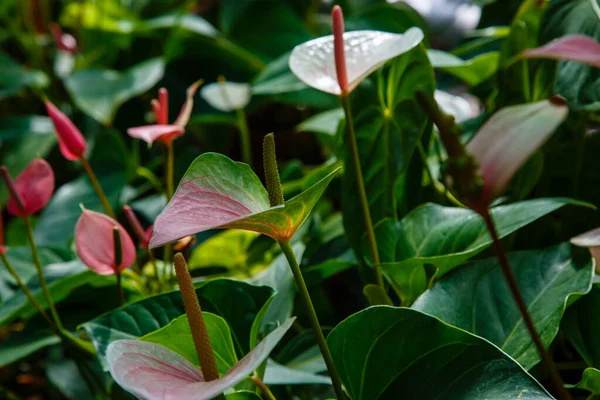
{"points": [[71, 142], [143, 236], [64, 41], [338, 44], [94, 242], [32, 189]]}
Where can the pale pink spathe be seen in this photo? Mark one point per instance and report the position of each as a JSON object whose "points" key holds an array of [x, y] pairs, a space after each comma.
{"points": [[94, 243], [71, 142], [579, 48], [35, 186]]}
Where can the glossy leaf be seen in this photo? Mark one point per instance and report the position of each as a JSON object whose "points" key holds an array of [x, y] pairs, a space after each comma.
{"points": [[177, 336], [22, 261], [228, 249], [387, 135], [25, 125], [15, 77], [590, 381], [581, 327], [476, 298], [226, 96], [277, 374], [216, 192], [472, 72], [22, 344], [313, 62], [576, 82], [437, 359], [509, 138], [100, 92], [154, 372], [446, 237], [237, 302]]}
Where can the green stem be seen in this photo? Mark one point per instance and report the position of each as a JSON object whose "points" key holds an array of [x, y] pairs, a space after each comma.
{"points": [[40, 273], [244, 136], [522, 306], [263, 387], [312, 317], [121, 294], [101, 195], [362, 194], [25, 289], [118, 251]]}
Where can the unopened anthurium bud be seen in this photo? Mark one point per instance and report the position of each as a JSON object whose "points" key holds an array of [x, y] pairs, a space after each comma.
{"points": [[71, 142], [271, 172], [143, 235], [337, 18], [204, 349], [32, 189], [95, 243]]}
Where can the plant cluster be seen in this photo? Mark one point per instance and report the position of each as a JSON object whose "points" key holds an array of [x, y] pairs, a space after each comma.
{"points": [[425, 229]]}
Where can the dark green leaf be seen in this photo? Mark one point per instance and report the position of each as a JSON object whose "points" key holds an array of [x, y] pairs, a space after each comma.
{"points": [[477, 298], [277, 374], [26, 125], [399, 350], [581, 326], [14, 77], [590, 381], [22, 344], [473, 71]]}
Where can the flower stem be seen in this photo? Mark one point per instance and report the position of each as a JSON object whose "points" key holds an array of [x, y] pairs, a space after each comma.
{"points": [[40, 273], [204, 349], [101, 195], [312, 316], [263, 387], [362, 194], [244, 136], [25, 289], [518, 297]]}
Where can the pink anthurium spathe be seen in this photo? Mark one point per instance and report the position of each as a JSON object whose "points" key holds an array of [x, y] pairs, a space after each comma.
{"points": [[509, 138], [217, 192], [71, 142], [153, 372], [162, 131], [33, 187], [591, 240], [355, 54], [95, 244], [579, 48]]}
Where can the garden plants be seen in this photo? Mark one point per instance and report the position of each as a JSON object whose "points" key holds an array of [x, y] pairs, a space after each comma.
{"points": [[357, 200]]}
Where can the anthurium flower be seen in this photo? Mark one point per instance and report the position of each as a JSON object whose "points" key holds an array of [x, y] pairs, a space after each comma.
{"points": [[509, 137], [591, 240], [33, 187], [580, 48], [71, 142], [162, 131], [217, 192], [64, 41], [227, 96], [95, 245], [358, 53], [153, 372]]}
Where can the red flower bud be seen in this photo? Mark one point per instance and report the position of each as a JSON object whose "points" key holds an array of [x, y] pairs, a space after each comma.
{"points": [[70, 140], [32, 189]]}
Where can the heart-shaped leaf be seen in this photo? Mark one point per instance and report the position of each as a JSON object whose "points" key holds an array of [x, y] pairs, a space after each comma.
{"points": [[477, 298], [277, 374], [383, 351], [217, 192], [153, 372], [100, 92], [473, 71], [22, 344], [26, 125], [14, 77], [177, 336], [387, 135], [581, 326], [446, 237], [590, 381], [239, 303]]}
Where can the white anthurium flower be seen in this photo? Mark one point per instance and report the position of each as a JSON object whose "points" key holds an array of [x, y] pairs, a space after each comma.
{"points": [[227, 96], [462, 107], [313, 62], [591, 240]]}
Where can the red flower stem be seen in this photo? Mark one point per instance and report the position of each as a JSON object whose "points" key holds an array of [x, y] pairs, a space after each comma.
{"points": [[559, 385], [287, 250], [40, 273], [263, 387], [26, 290], [99, 191]]}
